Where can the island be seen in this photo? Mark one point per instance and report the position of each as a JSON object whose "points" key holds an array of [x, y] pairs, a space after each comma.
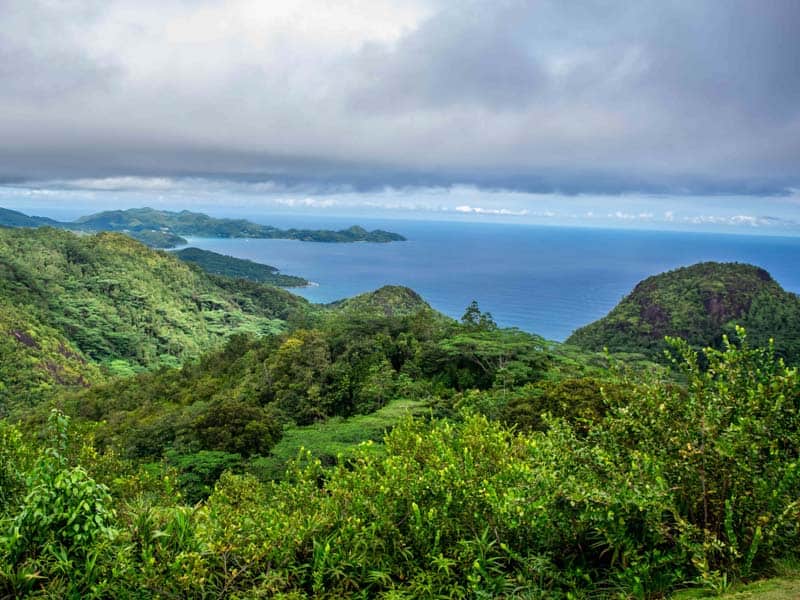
{"points": [[166, 229]]}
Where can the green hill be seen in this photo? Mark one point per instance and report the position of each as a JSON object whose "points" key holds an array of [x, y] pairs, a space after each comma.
{"points": [[220, 264], [155, 238], [13, 218], [164, 229], [699, 303], [36, 358], [388, 301], [67, 300], [187, 223]]}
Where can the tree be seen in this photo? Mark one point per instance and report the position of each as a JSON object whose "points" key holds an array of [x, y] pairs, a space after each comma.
{"points": [[474, 358], [474, 319], [296, 371], [238, 427]]}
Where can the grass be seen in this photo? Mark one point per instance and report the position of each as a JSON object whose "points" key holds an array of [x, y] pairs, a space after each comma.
{"points": [[334, 438], [785, 586], [779, 588]]}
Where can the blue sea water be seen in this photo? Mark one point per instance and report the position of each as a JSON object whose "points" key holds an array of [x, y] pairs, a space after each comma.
{"points": [[546, 280]]}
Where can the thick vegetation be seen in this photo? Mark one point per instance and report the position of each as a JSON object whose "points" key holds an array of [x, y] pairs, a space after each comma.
{"points": [[13, 218], [700, 304], [36, 359], [341, 367], [68, 300], [157, 239], [370, 448], [672, 484], [220, 264]]}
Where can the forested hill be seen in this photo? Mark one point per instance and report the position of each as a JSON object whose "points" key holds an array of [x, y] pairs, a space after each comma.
{"points": [[68, 300], [221, 264], [197, 224], [699, 303], [13, 218], [388, 301], [164, 229]]}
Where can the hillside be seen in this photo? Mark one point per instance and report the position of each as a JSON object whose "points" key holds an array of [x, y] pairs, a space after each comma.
{"points": [[108, 299], [388, 301], [187, 223], [155, 238], [371, 448], [699, 303], [165, 229], [13, 218], [221, 264], [36, 358]]}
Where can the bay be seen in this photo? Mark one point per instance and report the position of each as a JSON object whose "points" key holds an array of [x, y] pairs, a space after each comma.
{"points": [[546, 280]]}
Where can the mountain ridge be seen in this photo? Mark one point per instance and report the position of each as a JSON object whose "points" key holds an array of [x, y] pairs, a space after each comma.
{"points": [[166, 229]]}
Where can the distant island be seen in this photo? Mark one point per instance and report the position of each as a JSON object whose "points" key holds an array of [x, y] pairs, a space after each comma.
{"points": [[238, 268], [165, 229]]}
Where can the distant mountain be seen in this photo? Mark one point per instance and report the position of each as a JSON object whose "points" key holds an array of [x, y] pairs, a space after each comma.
{"points": [[699, 303], [220, 264], [165, 229], [69, 301], [187, 223], [13, 218]]}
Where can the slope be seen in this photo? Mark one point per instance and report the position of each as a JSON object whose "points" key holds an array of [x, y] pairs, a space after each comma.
{"points": [[221, 264], [122, 304], [198, 224], [164, 229], [699, 303]]}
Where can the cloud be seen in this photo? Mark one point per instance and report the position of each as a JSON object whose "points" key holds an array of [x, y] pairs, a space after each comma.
{"points": [[591, 97], [44, 58], [739, 220], [224, 197], [307, 202], [478, 210], [464, 55], [118, 183], [624, 216]]}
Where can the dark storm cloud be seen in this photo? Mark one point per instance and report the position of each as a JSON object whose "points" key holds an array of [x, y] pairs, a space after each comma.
{"points": [[597, 96]]}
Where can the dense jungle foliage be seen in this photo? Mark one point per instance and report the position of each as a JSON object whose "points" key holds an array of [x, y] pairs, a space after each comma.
{"points": [[672, 485], [368, 448], [700, 303], [72, 303], [157, 238], [220, 264]]}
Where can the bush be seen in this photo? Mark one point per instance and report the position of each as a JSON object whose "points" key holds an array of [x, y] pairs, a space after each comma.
{"points": [[61, 532], [728, 445]]}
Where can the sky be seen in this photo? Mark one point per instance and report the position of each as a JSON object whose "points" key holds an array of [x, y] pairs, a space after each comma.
{"points": [[655, 113]]}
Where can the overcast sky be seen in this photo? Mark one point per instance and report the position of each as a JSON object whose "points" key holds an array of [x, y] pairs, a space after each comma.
{"points": [[653, 111]]}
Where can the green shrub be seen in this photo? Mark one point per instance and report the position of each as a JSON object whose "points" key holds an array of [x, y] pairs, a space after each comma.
{"points": [[61, 535]]}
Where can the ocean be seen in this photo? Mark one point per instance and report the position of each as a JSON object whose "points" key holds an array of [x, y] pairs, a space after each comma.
{"points": [[545, 280]]}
